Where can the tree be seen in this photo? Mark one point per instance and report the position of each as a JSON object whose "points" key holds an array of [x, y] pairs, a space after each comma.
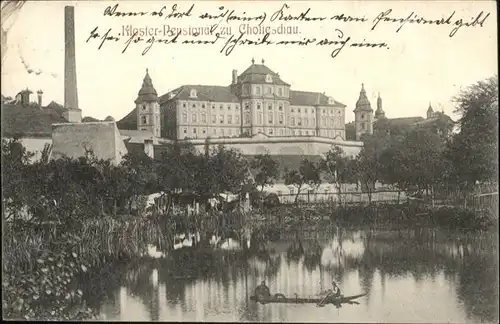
{"points": [[267, 170], [307, 175], [15, 160], [473, 151], [394, 169], [366, 166], [140, 172], [206, 175], [338, 168], [227, 171], [178, 168]]}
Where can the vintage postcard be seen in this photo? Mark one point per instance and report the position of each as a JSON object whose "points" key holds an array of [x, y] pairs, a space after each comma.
{"points": [[250, 161]]}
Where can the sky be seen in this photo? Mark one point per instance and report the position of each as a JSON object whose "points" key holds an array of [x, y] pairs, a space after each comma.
{"points": [[421, 64]]}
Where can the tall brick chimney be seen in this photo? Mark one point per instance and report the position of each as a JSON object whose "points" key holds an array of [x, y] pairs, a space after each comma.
{"points": [[72, 112]]}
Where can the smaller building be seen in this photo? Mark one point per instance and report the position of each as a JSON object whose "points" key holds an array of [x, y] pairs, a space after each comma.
{"points": [[76, 140], [365, 122], [30, 121], [37, 126]]}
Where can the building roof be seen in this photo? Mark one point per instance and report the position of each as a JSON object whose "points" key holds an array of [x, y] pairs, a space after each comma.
{"points": [[363, 104], [305, 98], [430, 110], [256, 73], [31, 120], [405, 120], [148, 91], [136, 136], [437, 117], [129, 121], [203, 93]]}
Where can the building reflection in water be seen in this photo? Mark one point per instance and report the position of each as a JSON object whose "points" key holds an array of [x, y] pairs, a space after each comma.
{"points": [[416, 276]]}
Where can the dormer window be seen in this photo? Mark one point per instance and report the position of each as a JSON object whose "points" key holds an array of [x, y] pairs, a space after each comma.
{"points": [[193, 93], [331, 101], [269, 78]]}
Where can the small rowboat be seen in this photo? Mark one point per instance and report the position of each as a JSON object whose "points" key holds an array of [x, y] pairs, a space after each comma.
{"points": [[280, 298]]}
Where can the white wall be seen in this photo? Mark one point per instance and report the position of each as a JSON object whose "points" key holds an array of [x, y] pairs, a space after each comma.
{"points": [[35, 145]]}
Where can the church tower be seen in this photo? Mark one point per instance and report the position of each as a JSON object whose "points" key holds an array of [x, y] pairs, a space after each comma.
{"points": [[379, 113], [148, 108], [430, 111], [363, 115]]}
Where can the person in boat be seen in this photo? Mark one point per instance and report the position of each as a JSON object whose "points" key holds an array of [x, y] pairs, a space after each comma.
{"points": [[336, 290], [331, 295], [262, 291]]}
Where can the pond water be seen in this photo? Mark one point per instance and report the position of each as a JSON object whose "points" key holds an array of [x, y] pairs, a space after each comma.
{"points": [[418, 275]]}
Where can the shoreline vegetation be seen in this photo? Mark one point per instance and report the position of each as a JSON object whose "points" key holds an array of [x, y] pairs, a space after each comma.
{"points": [[66, 220]]}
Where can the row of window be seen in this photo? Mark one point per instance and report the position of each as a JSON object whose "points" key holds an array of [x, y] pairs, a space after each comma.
{"points": [[203, 119], [221, 106], [270, 106], [145, 119], [230, 132], [270, 120], [222, 132], [155, 108], [302, 122], [267, 90]]}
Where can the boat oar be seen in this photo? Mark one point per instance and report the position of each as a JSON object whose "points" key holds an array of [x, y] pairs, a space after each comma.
{"points": [[320, 304]]}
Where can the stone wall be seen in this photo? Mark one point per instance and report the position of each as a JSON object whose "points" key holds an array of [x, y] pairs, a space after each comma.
{"points": [[35, 145], [260, 144], [102, 137]]}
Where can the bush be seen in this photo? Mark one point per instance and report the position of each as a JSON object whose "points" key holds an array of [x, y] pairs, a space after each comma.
{"points": [[46, 289], [460, 218]]}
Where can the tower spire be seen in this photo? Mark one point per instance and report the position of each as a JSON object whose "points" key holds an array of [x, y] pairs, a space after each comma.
{"points": [[379, 113], [148, 92], [363, 115], [430, 111]]}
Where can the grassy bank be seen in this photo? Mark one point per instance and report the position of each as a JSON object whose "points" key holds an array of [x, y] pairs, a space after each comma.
{"points": [[291, 218], [46, 266]]}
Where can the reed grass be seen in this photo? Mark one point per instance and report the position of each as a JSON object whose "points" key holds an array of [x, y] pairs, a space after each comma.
{"points": [[100, 239]]}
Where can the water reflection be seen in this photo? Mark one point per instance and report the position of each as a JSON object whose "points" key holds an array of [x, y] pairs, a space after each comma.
{"points": [[409, 276]]}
